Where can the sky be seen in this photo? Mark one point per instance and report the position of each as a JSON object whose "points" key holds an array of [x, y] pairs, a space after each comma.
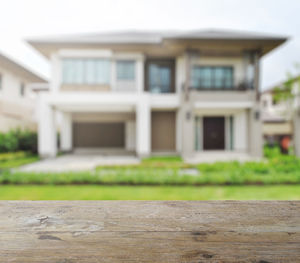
{"points": [[21, 19]]}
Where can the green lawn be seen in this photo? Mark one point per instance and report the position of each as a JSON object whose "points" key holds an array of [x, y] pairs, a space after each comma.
{"points": [[16, 159], [94, 192]]}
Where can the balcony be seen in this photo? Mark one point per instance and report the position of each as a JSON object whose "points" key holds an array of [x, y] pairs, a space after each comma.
{"points": [[242, 86]]}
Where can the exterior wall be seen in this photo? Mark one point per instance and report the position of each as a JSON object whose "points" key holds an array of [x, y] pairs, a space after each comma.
{"points": [[84, 88], [16, 111], [278, 128], [8, 123]]}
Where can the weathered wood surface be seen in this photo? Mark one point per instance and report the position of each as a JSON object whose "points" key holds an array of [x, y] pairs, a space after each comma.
{"points": [[138, 231]]}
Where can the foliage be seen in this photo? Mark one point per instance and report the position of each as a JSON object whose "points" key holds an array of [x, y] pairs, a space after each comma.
{"points": [[284, 92], [18, 140]]}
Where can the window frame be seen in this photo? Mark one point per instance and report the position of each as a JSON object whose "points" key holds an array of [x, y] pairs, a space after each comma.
{"points": [[82, 64], [169, 62], [214, 79], [126, 61]]}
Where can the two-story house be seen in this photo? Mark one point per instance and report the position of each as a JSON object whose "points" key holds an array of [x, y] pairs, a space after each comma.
{"points": [[189, 93], [17, 100]]}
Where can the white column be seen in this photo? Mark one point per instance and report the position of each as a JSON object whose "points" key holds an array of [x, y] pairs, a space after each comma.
{"points": [[66, 132], [296, 126], [139, 70], [130, 138], [47, 138], [240, 128], [113, 75], [56, 73], [143, 126], [178, 131]]}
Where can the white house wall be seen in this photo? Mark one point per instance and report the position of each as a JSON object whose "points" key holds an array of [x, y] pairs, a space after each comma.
{"points": [[16, 110], [240, 124]]}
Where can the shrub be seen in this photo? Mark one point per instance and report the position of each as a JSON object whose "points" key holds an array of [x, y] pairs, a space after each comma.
{"points": [[18, 140]]}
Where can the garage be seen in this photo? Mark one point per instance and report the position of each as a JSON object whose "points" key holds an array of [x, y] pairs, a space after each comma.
{"points": [[163, 131], [99, 135]]}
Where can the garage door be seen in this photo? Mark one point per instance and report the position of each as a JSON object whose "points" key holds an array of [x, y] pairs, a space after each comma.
{"points": [[99, 135], [163, 131]]}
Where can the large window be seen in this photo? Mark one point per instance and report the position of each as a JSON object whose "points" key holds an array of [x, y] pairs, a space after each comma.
{"points": [[86, 71], [203, 77], [160, 76], [125, 70]]}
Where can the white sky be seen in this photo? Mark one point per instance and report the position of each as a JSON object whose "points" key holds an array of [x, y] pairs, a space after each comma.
{"points": [[26, 18]]}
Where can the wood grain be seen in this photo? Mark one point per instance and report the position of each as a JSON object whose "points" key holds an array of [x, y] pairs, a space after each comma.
{"points": [[149, 231]]}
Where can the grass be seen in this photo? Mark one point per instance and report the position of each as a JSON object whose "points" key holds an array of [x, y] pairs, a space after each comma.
{"points": [[156, 178], [94, 192], [16, 159]]}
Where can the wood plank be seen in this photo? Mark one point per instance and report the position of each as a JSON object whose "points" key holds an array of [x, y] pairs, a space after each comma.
{"points": [[149, 231]]}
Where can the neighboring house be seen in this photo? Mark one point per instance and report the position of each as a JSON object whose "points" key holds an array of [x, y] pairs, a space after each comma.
{"points": [[281, 118], [17, 101], [155, 92], [276, 117]]}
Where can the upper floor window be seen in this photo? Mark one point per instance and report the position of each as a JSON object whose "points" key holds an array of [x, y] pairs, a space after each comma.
{"points": [[86, 71], [126, 70], [22, 90], [160, 76], [204, 77]]}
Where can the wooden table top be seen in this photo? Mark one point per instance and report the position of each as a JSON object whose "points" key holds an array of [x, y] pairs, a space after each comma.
{"points": [[149, 231]]}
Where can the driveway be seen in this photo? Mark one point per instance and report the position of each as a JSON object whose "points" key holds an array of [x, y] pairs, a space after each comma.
{"points": [[76, 162]]}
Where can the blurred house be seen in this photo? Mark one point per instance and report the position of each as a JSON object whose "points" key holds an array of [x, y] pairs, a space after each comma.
{"points": [[281, 118], [191, 93], [277, 118], [17, 99]]}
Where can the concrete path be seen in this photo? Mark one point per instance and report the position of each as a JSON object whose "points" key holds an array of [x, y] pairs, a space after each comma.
{"points": [[220, 156], [75, 162]]}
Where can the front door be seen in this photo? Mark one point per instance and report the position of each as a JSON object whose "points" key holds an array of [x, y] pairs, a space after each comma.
{"points": [[214, 133]]}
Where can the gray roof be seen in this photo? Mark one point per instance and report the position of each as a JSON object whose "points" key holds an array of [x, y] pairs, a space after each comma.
{"points": [[19, 69], [155, 37]]}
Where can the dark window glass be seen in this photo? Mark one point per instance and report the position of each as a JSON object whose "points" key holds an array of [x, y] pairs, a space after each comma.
{"points": [[212, 77], [160, 76]]}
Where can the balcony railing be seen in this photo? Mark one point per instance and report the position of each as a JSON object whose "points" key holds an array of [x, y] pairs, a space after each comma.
{"points": [[161, 89], [240, 87]]}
